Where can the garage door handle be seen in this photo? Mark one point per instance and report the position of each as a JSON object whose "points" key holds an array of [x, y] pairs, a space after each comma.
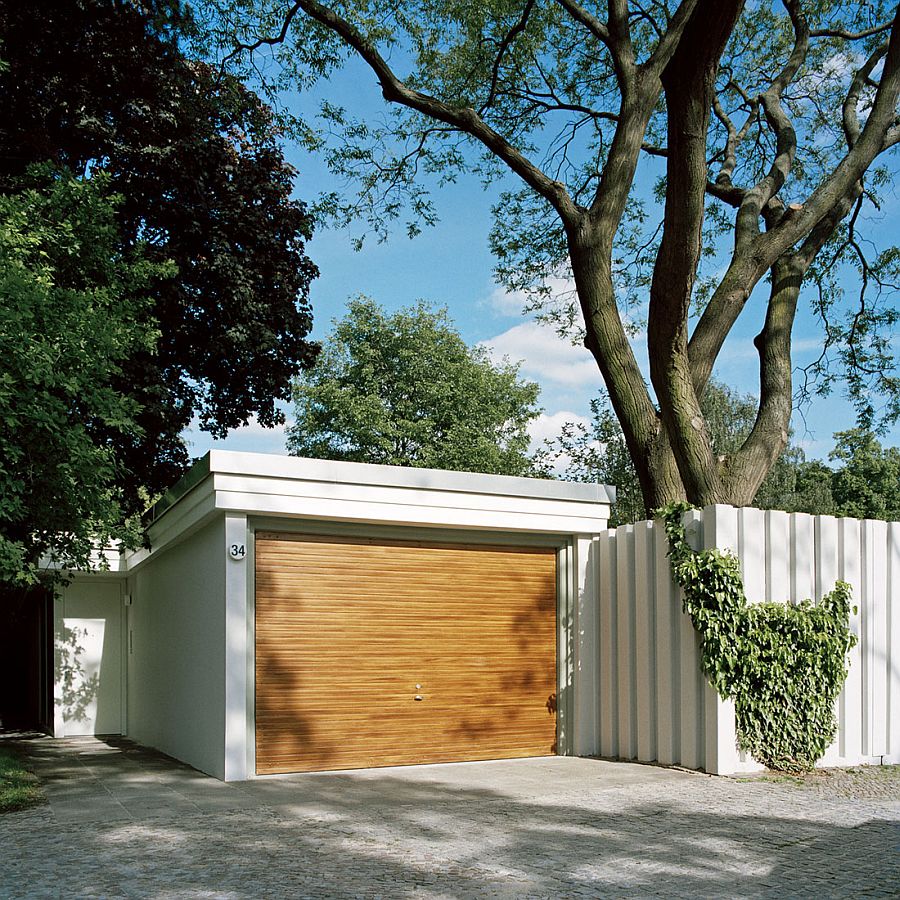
{"points": [[418, 697]]}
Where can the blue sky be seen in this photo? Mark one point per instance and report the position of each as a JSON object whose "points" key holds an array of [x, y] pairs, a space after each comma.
{"points": [[451, 265]]}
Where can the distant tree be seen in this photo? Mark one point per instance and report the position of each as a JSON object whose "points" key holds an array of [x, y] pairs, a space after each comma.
{"points": [[405, 390], [597, 452], [71, 316], [103, 85], [866, 485], [805, 488], [863, 481]]}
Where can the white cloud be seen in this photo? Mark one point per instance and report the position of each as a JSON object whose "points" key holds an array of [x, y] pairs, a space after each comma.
{"points": [[507, 303], [545, 356]]}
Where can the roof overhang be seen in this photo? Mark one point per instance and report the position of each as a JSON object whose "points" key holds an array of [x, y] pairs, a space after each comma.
{"points": [[268, 485]]}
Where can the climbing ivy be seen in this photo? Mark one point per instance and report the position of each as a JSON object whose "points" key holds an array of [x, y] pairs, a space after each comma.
{"points": [[783, 665]]}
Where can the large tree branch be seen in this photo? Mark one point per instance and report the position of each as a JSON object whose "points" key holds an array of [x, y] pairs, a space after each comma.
{"points": [[891, 137], [870, 143], [639, 97], [849, 110], [620, 33], [620, 49], [689, 84], [727, 193], [465, 119], [668, 44], [747, 223], [851, 35], [746, 468], [743, 471], [607, 341], [732, 140], [510, 36], [268, 41], [824, 229], [753, 259]]}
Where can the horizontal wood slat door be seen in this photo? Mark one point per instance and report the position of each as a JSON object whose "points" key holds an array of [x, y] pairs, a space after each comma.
{"points": [[350, 632]]}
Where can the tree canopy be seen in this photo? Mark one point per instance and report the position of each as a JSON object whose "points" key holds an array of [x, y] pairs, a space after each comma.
{"points": [[72, 314], [196, 162], [685, 164], [404, 389]]}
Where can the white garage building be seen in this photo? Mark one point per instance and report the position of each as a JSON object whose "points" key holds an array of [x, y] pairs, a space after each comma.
{"points": [[298, 615]]}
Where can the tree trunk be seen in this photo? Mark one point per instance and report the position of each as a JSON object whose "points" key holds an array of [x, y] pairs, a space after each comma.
{"points": [[645, 437], [689, 84]]}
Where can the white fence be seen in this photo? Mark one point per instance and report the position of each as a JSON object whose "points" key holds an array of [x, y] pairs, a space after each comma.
{"points": [[653, 702]]}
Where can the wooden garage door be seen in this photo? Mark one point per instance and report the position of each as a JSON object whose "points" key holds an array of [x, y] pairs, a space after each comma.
{"points": [[349, 633]]}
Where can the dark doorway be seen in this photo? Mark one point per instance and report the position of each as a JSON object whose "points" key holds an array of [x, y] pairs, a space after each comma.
{"points": [[26, 658]]}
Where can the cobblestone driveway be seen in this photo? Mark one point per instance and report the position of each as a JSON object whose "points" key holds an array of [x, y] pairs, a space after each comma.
{"points": [[126, 823]]}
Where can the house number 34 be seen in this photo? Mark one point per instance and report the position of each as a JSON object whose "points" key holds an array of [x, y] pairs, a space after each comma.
{"points": [[237, 551]]}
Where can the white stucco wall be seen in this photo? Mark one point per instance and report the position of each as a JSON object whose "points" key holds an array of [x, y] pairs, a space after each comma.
{"points": [[176, 650]]}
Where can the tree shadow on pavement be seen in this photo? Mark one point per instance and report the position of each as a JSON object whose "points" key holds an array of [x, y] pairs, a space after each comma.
{"points": [[383, 835]]}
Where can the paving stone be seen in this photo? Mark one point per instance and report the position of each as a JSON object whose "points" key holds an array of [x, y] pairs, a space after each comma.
{"points": [[551, 827]]}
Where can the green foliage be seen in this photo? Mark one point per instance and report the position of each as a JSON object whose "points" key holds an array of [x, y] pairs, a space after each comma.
{"points": [[550, 88], [597, 452], [197, 162], [863, 481], [405, 389], [867, 485], [782, 665], [71, 315]]}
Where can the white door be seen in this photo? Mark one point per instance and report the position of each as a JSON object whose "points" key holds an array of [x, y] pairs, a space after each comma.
{"points": [[89, 649]]}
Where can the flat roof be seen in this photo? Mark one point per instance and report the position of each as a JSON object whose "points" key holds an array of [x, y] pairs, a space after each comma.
{"points": [[298, 468]]}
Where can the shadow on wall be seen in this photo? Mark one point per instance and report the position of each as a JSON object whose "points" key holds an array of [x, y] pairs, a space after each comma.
{"points": [[79, 687]]}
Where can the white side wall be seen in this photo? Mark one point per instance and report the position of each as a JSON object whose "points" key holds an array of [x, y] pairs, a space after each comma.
{"points": [[792, 557], [653, 702], [188, 623], [176, 650]]}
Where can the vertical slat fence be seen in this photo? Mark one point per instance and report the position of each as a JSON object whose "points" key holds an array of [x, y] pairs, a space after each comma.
{"points": [[653, 703]]}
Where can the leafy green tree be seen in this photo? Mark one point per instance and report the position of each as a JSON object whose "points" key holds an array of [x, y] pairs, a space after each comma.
{"points": [[763, 126], [71, 316], [405, 390], [867, 483], [195, 158], [809, 490]]}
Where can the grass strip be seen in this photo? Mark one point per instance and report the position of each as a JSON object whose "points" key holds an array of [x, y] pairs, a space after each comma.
{"points": [[19, 788]]}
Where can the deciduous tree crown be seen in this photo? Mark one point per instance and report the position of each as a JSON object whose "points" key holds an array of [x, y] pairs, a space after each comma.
{"points": [[405, 390], [196, 159]]}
